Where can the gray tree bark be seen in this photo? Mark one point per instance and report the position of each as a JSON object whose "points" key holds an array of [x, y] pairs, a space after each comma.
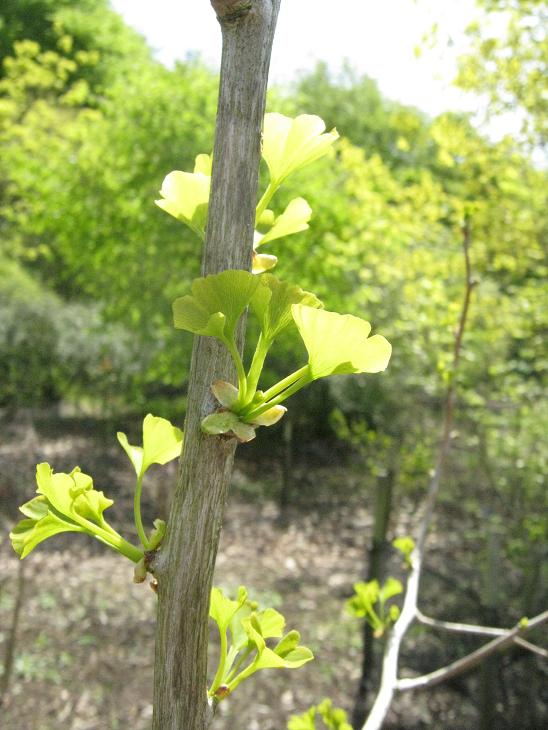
{"points": [[184, 568]]}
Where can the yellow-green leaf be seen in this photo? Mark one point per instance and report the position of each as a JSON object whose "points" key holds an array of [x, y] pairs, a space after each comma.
{"points": [[339, 343]]}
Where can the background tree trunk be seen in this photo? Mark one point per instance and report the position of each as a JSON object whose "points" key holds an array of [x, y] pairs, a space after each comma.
{"points": [[377, 554], [185, 566]]}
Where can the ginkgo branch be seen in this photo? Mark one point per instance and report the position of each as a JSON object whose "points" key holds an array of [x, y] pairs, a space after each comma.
{"points": [[473, 659]]}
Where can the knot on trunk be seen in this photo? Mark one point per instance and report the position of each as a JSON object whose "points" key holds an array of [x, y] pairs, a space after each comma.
{"points": [[230, 10]]}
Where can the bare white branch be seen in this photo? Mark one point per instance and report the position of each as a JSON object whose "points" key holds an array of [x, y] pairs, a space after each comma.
{"points": [[472, 660]]}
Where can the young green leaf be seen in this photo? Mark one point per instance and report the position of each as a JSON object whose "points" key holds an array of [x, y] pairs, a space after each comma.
{"points": [[391, 587], [66, 503], [272, 304], [216, 304], [294, 219], [339, 343], [162, 443], [223, 609], [290, 144], [29, 533], [262, 262], [185, 195]]}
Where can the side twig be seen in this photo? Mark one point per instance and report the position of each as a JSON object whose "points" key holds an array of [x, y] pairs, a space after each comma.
{"points": [[472, 660]]}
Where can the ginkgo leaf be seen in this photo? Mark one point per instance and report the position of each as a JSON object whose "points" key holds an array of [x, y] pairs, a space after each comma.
{"points": [[390, 588], [269, 659], [203, 164], [272, 304], [293, 220], [57, 488], [270, 623], [66, 503], [135, 453], [29, 533], [185, 195], [290, 144], [339, 343], [223, 609], [216, 303], [162, 443], [263, 262]]}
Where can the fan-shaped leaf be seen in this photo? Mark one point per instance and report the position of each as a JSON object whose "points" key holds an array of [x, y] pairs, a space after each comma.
{"points": [[339, 343], [290, 144], [216, 303]]}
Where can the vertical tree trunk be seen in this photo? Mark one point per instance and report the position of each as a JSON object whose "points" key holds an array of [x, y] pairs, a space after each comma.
{"points": [[185, 566], [372, 648]]}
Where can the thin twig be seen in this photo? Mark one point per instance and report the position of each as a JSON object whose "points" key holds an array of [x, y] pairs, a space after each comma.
{"points": [[471, 660], [389, 679], [531, 647], [459, 627]]}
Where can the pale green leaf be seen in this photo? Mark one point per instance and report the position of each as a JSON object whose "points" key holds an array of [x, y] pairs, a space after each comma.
{"points": [[29, 533], [294, 219], [272, 304], [222, 609], [203, 164], [36, 508], [268, 659], [262, 262], [339, 343], [91, 504], [162, 441], [216, 304], [270, 623], [390, 588], [290, 144], [57, 488], [135, 453], [185, 195]]}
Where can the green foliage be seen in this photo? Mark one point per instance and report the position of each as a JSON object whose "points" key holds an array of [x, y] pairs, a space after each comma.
{"points": [[509, 62], [50, 349], [246, 652], [66, 503], [82, 26], [336, 344], [370, 602], [405, 545], [333, 718], [161, 443]]}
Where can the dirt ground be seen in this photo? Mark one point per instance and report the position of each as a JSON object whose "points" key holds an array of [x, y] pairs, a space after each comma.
{"points": [[84, 652]]}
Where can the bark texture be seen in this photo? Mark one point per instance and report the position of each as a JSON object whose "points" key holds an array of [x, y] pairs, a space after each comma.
{"points": [[184, 568]]}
